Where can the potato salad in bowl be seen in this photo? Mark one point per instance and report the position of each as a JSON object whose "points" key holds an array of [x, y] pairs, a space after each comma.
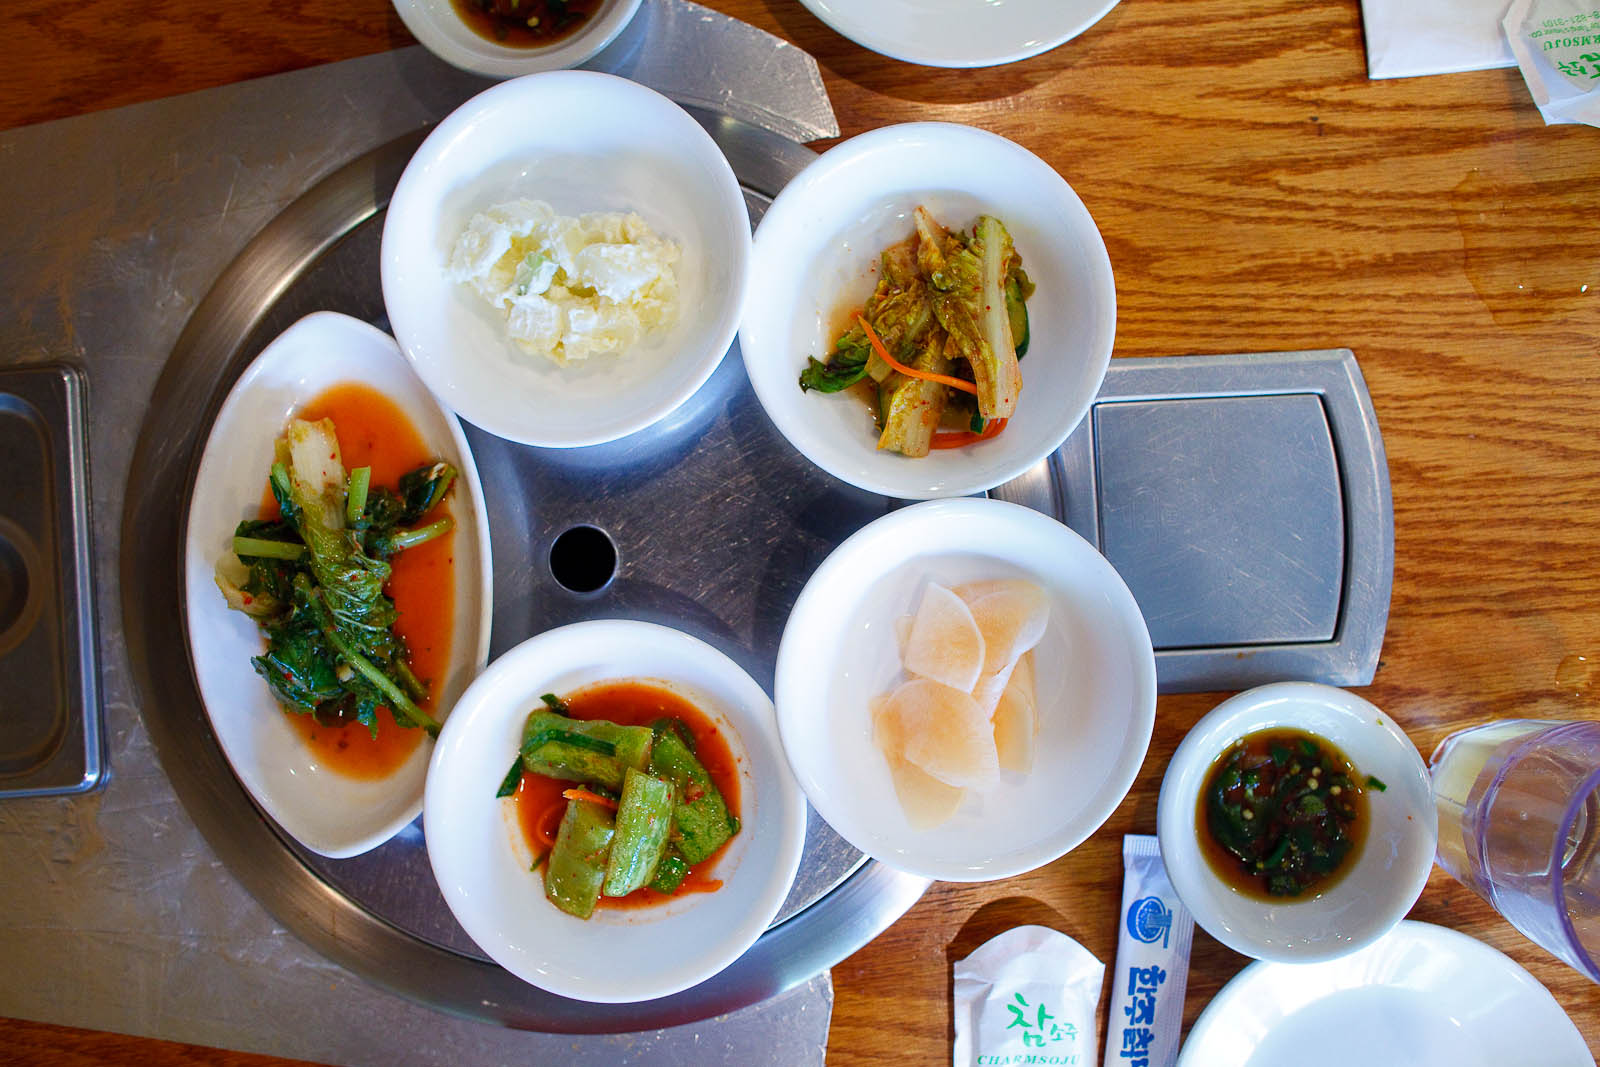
{"points": [[564, 259], [571, 288]]}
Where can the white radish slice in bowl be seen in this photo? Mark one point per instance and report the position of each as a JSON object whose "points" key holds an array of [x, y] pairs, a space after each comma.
{"points": [[945, 645]]}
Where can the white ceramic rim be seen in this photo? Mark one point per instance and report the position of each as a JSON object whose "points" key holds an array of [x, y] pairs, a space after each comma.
{"points": [[1236, 1010], [441, 31], [941, 474], [795, 674], [1399, 765], [855, 20], [526, 671], [684, 376], [221, 684]]}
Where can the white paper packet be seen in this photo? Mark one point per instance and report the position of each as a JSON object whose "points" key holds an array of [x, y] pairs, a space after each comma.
{"points": [[1027, 996], [1557, 45], [1154, 934], [1406, 38]]}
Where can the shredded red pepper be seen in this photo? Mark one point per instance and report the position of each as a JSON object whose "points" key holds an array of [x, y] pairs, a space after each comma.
{"points": [[593, 798]]}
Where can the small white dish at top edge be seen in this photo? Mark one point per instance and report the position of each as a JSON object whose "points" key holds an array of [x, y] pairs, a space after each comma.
{"points": [[444, 33], [960, 33], [616, 955], [328, 813], [1421, 996]]}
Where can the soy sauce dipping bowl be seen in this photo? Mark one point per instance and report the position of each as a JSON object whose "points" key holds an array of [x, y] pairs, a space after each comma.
{"points": [[442, 31], [1383, 880]]}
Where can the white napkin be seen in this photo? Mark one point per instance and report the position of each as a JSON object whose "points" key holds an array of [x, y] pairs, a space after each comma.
{"points": [[1406, 38], [1557, 44]]}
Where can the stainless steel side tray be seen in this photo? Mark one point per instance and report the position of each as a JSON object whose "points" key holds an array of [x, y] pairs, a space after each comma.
{"points": [[50, 730]]}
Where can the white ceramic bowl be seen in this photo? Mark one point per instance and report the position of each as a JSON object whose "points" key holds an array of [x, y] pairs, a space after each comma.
{"points": [[437, 26], [1096, 687], [1393, 865], [616, 955], [815, 261], [326, 812], [582, 142], [945, 33]]}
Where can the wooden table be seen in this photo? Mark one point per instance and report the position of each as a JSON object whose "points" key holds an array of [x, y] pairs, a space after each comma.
{"points": [[1256, 192]]}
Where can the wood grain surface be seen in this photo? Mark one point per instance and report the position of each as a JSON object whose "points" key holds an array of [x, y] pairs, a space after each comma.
{"points": [[1256, 192]]}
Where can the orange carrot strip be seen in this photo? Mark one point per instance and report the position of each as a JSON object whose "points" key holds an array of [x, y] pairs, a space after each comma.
{"points": [[913, 372], [962, 438], [593, 798]]}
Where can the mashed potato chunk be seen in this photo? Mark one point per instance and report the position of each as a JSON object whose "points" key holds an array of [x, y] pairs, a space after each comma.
{"points": [[570, 288]]}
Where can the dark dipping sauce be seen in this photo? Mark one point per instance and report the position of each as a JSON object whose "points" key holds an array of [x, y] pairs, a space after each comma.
{"points": [[539, 801], [1282, 813], [526, 23]]}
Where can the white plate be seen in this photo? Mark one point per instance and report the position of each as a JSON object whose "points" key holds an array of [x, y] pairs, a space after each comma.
{"points": [[1391, 869], [1096, 687], [615, 956], [442, 31], [326, 812], [960, 33], [816, 255], [1422, 996], [583, 142]]}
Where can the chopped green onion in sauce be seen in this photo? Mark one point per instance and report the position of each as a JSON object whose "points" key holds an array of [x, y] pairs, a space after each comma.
{"points": [[1282, 814]]}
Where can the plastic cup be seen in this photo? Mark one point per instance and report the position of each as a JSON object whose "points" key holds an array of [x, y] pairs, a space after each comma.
{"points": [[1519, 823]]}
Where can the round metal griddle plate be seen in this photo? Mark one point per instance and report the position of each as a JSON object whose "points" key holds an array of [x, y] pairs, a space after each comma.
{"points": [[713, 521]]}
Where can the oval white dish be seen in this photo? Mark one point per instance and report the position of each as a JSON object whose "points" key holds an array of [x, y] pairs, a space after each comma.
{"points": [[328, 813]]}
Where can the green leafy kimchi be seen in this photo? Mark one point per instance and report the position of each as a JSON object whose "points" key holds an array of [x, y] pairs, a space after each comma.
{"points": [[313, 580], [935, 350]]}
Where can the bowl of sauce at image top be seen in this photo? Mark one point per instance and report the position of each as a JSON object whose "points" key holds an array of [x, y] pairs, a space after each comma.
{"points": [[509, 38], [526, 23]]}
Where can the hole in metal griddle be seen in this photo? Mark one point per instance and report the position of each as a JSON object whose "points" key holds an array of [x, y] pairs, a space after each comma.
{"points": [[583, 559]]}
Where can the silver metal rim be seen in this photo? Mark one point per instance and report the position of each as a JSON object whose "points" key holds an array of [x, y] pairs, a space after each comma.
{"points": [[205, 359]]}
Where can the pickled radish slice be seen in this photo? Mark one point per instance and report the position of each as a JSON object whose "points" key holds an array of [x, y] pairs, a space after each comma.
{"points": [[945, 645], [1015, 722], [1023, 678], [943, 732], [1012, 620], [975, 591], [925, 801], [990, 686]]}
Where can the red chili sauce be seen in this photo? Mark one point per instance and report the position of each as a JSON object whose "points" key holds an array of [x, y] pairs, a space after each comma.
{"points": [[540, 803], [374, 432]]}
